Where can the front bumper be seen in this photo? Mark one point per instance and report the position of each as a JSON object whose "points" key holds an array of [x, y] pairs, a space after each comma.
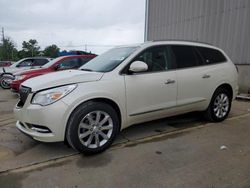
{"points": [[52, 117], [44, 137]]}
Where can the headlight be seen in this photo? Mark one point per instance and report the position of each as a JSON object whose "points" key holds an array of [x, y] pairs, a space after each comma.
{"points": [[52, 95], [20, 77]]}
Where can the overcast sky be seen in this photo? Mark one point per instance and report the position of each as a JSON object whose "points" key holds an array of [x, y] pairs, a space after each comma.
{"points": [[71, 24]]}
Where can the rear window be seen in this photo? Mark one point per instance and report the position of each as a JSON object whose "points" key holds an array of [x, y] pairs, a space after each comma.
{"points": [[211, 56], [185, 56]]}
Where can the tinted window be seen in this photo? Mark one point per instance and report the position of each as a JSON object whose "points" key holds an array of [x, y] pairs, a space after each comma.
{"points": [[211, 56], [185, 56], [25, 63], [156, 58], [52, 62], [70, 63], [85, 60], [39, 62]]}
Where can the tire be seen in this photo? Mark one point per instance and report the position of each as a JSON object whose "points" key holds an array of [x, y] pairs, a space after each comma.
{"points": [[83, 126], [220, 105], [3, 84]]}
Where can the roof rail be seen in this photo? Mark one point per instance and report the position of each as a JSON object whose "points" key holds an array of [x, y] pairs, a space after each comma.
{"points": [[180, 40]]}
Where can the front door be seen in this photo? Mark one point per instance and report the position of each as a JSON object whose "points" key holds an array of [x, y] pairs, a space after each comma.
{"points": [[150, 93]]}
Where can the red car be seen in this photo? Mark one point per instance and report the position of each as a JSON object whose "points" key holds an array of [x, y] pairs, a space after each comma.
{"points": [[60, 63], [5, 63]]}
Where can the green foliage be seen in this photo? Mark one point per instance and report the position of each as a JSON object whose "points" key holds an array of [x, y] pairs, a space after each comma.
{"points": [[30, 48], [51, 51], [8, 50]]}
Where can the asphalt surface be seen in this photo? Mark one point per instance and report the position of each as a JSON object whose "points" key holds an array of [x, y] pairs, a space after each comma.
{"points": [[183, 151]]}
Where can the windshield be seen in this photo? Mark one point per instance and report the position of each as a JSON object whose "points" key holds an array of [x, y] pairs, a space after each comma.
{"points": [[108, 60], [52, 62]]}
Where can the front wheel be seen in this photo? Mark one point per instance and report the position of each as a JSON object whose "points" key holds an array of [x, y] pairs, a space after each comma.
{"points": [[92, 127], [5, 81], [220, 105]]}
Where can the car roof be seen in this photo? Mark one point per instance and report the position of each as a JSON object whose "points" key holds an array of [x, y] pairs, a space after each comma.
{"points": [[171, 42], [179, 42], [73, 56]]}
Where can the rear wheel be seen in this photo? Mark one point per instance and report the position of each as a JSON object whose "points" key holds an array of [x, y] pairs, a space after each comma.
{"points": [[92, 127], [220, 105]]}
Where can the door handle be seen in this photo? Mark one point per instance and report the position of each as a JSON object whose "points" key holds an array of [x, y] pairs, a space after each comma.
{"points": [[169, 81], [206, 76]]}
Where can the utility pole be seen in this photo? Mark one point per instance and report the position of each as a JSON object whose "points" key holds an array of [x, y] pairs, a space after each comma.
{"points": [[3, 44], [3, 34]]}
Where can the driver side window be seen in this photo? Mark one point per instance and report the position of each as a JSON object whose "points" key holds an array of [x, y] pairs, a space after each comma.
{"points": [[25, 63], [70, 63], [155, 57]]}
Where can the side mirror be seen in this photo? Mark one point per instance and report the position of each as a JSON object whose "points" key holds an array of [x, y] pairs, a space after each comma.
{"points": [[138, 66]]}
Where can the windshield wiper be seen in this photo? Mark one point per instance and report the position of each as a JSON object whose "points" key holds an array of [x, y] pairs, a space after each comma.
{"points": [[87, 70]]}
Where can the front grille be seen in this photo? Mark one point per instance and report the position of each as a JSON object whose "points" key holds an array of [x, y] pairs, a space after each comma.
{"points": [[23, 92]]}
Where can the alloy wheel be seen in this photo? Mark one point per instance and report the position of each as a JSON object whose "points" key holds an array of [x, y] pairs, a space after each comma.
{"points": [[221, 105], [95, 129]]}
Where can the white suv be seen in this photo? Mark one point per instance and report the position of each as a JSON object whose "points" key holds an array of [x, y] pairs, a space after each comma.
{"points": [[124, 86]]}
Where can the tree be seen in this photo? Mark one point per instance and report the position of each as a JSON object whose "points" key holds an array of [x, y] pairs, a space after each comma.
{"points": [[51, 51], [30, 48], [8, 50]]}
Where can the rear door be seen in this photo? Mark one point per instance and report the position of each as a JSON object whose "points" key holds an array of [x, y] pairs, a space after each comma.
{"points": [[214, 70], [191, 75]]}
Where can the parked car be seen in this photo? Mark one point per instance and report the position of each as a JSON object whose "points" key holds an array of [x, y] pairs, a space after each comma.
{"points": [[5, 63], [6, 73], [60, 63], [126, 86]]}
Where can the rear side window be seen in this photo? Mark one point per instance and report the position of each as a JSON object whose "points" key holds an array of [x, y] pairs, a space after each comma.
{"points": [[185, 56], [40, 62], [211, 56]]}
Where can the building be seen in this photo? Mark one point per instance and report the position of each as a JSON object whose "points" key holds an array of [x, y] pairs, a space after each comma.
{"points": [[223, 23]]}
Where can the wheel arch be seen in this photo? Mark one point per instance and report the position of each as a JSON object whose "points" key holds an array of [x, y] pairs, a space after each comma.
{"points": [[109, 101], [6, 73], [228, 87]]}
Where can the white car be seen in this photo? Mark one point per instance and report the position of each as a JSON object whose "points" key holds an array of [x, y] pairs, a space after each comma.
{"points": [[24, 64], [124, 86], [6, 73]]}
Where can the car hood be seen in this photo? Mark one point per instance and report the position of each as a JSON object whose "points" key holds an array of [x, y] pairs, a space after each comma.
{"points": [[8, 69], [14, 70], [61, 78]]}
